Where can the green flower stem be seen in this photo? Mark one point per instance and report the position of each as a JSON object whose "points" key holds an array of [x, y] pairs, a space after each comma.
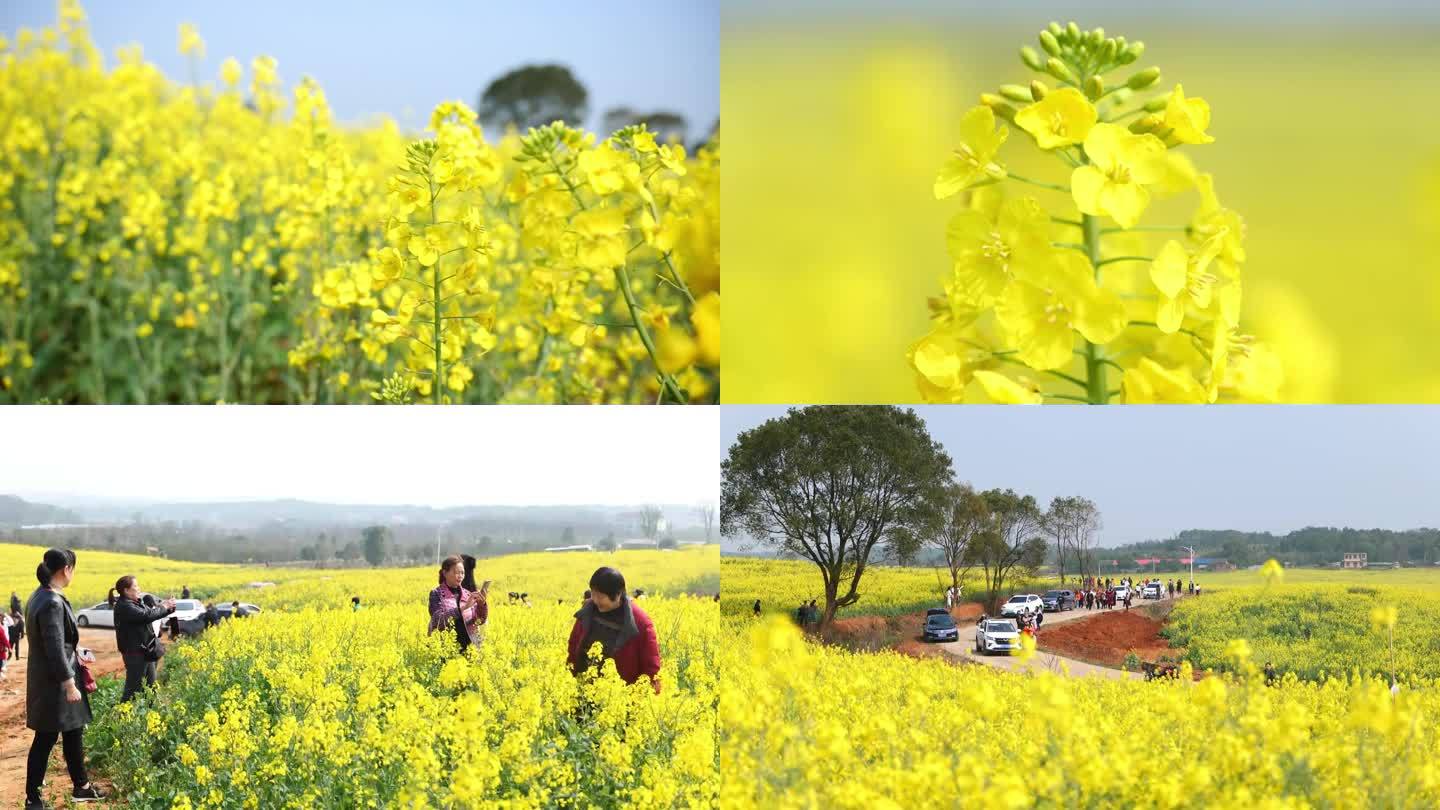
{"points": [[667, 382], [1065, 397], [435, 309], [1051, 186], [1063, 221], [1103, 262], [1096, 385], [1152, 229]]}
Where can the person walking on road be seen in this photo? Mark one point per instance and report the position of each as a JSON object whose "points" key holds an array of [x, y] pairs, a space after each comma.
{"points": [[56, 705], [135, 634]]}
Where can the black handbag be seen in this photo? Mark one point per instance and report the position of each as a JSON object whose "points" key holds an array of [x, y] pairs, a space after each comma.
{"points": [[154, 650]]}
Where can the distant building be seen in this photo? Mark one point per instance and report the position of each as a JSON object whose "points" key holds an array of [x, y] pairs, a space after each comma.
{"points": [[1355, 559], [638, 542], [580, 547], [1221, 565]]}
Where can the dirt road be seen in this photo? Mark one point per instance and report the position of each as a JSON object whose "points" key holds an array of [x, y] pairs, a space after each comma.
{"points": [[15, 737], [1044, 661]]}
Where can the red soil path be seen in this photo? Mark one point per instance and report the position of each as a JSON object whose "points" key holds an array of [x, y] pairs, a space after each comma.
{"points": [[1107, 637]]}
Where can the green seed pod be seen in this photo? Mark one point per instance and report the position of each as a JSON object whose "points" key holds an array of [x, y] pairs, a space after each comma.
{"points": [[1049, 43], [1119, 43], [1016, 92], [1132, 52], [1094, 88], [1061, 71], [1143, 79], [1038, 89], [1145, 124], [1108, 51], [1055, 29], [1157, 104], [1072, 31], [998, 106], [1121, 95], [1094, 38], [1031, 59]]}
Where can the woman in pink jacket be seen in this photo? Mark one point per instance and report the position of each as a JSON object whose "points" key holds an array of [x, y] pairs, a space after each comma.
{"points": [[451, 605]]}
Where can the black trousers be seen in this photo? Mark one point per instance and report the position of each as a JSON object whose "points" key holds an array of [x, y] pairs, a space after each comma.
{"points": [[139, 674], [74, 748]]}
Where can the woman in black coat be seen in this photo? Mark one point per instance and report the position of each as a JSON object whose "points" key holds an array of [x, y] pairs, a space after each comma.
{"points": [[55, 704], [135, 633]]}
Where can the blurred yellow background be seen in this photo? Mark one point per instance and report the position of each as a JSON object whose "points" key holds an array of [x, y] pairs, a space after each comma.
{"points": [[1327, 143]]}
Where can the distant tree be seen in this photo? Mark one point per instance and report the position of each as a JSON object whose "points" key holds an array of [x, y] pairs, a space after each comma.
{"points": [[351, 551], [706, 512], [710, 137], [669, 542], [830, 484], [567, 537], [376, 540], [1071, 524], [650, 517], [485, 545], [307, 553], [961, 515], [1011, 547], [533, 96], [607, 543], [666, 125]]}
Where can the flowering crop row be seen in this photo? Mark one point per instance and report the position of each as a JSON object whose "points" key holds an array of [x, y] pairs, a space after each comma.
{"points": [[162, 242], [803, 725]]}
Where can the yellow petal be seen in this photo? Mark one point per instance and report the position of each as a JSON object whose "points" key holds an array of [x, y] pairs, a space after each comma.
{"points": [[1169, 269], [1006, 391], [1085, 184], [1063, 118], [1124, 202], [1170, 314], [1100, 317]]}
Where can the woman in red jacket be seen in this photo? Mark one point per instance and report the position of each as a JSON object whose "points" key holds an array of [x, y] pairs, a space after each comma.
{"points": [[622, 630]]}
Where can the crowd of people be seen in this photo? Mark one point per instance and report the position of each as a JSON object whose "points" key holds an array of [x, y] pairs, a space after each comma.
{"points": [[609, 627]]}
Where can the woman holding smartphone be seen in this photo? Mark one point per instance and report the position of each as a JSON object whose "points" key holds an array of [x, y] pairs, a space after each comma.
{"points": [[452, 604], [55, 705]]}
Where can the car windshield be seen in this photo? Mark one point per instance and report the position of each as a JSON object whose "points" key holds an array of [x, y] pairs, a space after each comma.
{"points": [[940, 621], [1000, 627], [1019, 599], [101, 606], [187, 604], [1053, 594]]}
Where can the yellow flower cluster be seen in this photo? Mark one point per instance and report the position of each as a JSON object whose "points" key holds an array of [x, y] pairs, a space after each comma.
{"points": [[805, 726], [312, 705], [228, 241], [1049, 300], [1313, 629]]}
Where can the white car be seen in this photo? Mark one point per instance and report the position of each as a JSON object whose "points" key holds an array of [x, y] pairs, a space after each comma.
{"points": [[102, 615], [1022, 603], [1153, 590], [996, 635], [1121, 591]]}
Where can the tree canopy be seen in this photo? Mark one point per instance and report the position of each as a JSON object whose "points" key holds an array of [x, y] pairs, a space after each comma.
{"points": [[533, 96]]}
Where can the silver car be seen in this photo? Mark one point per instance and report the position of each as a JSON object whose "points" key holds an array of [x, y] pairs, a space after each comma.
{"points": [[997, 635]]}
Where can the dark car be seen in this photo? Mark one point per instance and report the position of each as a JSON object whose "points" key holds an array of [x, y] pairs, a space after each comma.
{"points": [[1056, 601], [939, 626]]}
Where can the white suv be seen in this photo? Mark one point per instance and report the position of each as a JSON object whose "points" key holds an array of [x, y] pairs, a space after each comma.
{"points": [[1021, 604]]}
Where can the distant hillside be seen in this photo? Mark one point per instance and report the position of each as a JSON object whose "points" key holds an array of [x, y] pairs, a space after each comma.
{"points": [[1312, 545], [250, 514], [20, 512]]}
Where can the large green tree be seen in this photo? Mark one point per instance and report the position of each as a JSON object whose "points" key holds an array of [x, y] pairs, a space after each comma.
{"points": [[533, 96], [1012, 545], [830, 484]]}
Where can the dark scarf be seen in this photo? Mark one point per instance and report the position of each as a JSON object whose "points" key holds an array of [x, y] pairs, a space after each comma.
{"points": [[614, 630]]}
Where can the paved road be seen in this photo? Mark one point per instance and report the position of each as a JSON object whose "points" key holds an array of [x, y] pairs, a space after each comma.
{"points": [[1041, 661]]}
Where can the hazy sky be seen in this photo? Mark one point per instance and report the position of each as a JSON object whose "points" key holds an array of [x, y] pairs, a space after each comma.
{"points": [[403, 58], [1292, 12], [1154, 471], [353, 454]]}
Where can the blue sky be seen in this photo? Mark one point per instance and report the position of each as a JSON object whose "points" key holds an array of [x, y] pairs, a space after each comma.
{"points": [[1154, 471], [402, 59]]}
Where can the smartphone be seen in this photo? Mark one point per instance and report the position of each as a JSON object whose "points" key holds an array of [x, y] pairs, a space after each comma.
{"points": [[485, 586]]}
